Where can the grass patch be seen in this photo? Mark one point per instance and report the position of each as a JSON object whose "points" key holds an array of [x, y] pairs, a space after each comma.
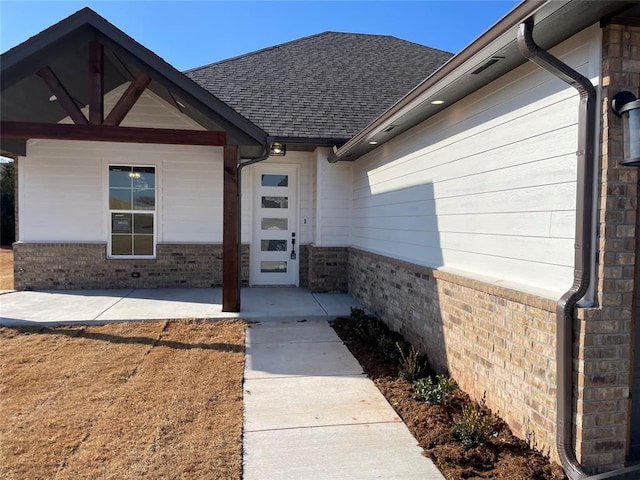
{"points": [[122, 401]]}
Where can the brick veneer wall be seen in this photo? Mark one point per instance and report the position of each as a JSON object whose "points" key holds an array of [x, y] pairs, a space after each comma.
{"points": [[85, 266], [603, 335], [327, 270], [488, 338], [304, 266]]}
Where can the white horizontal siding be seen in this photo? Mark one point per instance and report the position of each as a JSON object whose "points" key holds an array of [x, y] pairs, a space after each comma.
{"points": [[333, 202], [63, 185], [192, 197], [488, 185], [60, 198]]}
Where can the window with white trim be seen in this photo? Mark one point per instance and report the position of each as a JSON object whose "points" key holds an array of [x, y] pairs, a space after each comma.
{"points": [[132, 211]]}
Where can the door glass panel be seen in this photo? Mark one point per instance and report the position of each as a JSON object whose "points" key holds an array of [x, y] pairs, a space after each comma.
{"points": [[273, 245], [275, 224], [271, 180], [273, 267], [275, 202]]}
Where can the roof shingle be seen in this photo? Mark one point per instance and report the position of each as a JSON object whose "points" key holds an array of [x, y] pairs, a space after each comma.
{"points": [[329, 85]]}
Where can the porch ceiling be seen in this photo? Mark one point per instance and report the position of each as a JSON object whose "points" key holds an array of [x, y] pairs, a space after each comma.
{"points": [[64, 48]]}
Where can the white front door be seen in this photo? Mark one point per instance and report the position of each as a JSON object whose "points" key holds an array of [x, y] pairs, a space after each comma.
{"points": [[274, 246]]}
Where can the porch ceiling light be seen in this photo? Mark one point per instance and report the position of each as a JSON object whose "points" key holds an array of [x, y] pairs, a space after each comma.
{"points": [[278, 149], [437, 102], [626, 106]]}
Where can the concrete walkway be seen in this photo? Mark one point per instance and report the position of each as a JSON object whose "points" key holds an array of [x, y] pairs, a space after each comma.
{"points": [[310, 412]]}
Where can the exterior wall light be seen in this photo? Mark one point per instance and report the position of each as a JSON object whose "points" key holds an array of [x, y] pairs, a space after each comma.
{"points": [[626, 106], [278, 149]]}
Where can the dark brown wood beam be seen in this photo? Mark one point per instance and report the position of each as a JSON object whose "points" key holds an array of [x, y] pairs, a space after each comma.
{"points": [[105, 133], [230, 237], [96, 83], [128, 99], [61, 93]]}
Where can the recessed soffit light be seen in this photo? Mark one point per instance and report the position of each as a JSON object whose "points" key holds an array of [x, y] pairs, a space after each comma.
{"points": [[437, 102], [373, 142]]}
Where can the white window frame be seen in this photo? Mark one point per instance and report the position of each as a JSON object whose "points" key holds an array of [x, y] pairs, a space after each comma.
{"points": [[110, 211]]}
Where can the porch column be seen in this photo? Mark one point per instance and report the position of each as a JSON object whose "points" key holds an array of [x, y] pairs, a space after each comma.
{"points": [[230, 240]]}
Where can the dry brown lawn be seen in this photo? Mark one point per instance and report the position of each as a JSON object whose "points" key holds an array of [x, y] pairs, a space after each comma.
{"points": [[154, 400], [6, 268]]}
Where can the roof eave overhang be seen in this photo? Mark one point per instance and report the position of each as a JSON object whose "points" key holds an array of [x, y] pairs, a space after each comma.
{"points": [[455, 79], [31, 55]]}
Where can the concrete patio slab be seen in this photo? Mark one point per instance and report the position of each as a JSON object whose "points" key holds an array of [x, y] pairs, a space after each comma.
{"points": [[270, 301], [348, 452], [336, 303], [152, 304], [297, 402], [57, 307]]}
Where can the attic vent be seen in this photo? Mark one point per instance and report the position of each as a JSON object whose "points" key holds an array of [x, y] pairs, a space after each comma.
{"points": [[486, 65], [389, 128]]}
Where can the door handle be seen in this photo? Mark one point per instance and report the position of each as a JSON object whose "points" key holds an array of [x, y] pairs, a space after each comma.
{"points": [[293, 246]]}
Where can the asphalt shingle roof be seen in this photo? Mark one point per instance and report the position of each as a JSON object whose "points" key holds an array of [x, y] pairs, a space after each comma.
{"points": [[329, 85]]}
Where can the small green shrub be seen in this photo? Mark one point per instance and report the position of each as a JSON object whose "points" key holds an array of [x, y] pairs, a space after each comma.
{"points": [[475, 424], [411, 366], [369, 328], [357, 315], [434, 392], [388, 347]]}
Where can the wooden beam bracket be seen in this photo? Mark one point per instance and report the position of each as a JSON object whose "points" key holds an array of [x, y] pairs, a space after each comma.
{"points": [[128, 99], [61, 93]]}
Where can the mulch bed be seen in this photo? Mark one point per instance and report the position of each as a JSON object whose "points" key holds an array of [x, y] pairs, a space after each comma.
{"points": [[502, 456]]}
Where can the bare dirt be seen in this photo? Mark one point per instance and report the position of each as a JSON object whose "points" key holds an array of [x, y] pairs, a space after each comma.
{"points": [[155, 400], [502, 456], [6, 268]]}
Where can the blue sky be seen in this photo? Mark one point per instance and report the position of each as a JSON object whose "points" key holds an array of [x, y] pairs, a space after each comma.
{"points": [[188, 34]]}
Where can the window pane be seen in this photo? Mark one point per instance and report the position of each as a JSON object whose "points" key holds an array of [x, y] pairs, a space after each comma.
{"points": [[275, 224], [273, 267], [143, 223], [144, 199], [144, 177], [143, 244], [119, 177], [273, 245], [275, 180], [120, 199], [275, 202], [121, 223], [121, 245]]}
